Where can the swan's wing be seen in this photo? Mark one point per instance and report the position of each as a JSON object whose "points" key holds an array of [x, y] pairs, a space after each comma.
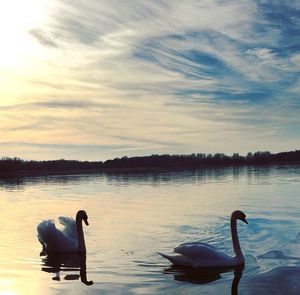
{"points": [[190, 245], [69, 227], [54, 239], [197, 249]]}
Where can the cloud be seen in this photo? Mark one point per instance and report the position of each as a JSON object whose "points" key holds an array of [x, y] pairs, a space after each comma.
{"points": [[57, 151], [161, 76], [262, 53], [41, 37], [171, 33]]}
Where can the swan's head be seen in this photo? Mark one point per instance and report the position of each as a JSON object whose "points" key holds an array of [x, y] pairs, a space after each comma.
{"points": [[81, 215], [238, 214]]}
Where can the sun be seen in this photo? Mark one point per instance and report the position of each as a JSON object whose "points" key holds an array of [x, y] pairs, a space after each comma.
{"points": [[17, 18], [18, 49]]}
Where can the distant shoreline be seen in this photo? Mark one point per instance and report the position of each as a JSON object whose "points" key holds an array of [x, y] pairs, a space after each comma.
{"points": [[16, 167]]}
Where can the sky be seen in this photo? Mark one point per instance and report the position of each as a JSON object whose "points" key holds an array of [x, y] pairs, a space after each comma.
{"points": [[99, 79]]}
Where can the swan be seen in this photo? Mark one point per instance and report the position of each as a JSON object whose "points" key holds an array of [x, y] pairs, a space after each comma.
{"points": [[199, 254], [70, 239]]}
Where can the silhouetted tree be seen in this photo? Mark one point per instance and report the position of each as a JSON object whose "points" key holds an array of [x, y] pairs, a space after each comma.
{"points": [[15, 165]]}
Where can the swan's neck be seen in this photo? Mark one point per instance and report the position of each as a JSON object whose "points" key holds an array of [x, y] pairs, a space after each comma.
{"points": [[80, 236], [235, 241]]}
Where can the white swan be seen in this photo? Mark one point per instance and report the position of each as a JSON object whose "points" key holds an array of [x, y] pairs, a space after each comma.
{"points": [[199, 254], [70, 239]]}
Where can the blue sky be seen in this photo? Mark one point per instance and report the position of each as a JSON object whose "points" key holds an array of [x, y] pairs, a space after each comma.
{"points": [[93, 80]]}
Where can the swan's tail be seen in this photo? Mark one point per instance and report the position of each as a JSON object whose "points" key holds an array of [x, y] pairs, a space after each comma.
{"points": [[178, 260], [173, 259], [163, 255]]}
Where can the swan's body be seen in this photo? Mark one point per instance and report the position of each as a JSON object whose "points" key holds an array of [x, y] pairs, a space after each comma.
{"points": [[199, 254], [70, 239]]}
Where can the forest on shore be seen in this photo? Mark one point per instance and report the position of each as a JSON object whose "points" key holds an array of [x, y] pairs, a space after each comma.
{"points": [[17, 166]]}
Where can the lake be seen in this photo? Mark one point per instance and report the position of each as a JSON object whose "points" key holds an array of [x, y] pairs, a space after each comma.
{"points": [[134, 215]]}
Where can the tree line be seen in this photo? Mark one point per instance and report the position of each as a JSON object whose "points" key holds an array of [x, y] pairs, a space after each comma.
{"points": [[190, 161]]}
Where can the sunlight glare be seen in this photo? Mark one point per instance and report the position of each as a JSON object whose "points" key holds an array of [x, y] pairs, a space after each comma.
{"points": [[17, 18], [19, 52], [5, 285], [8, 292]]}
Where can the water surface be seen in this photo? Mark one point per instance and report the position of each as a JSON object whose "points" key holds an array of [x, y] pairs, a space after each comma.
{"points": [[134, 215]]}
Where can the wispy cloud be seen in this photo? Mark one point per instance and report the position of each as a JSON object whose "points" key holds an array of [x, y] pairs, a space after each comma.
{"points": [[161, 76], [43, 38]]}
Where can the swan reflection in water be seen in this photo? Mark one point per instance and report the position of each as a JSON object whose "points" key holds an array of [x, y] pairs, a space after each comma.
{"points": [[57, 262], [206, 275]]}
